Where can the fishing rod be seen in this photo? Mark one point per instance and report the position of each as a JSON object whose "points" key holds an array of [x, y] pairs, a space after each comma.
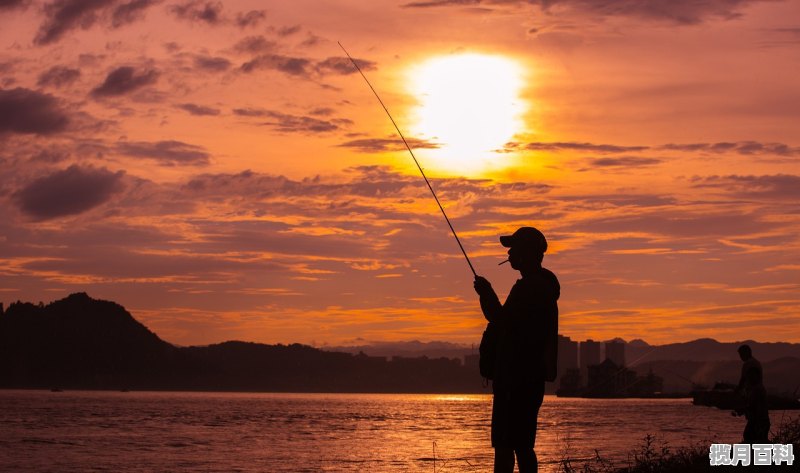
{"points": [[412, 157]]}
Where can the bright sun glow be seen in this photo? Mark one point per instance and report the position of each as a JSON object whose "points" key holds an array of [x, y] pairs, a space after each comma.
{"points": [[470, 105]]}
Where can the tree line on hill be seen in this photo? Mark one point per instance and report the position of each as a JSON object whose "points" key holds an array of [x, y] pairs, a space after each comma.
{"points": [[82, 343]]}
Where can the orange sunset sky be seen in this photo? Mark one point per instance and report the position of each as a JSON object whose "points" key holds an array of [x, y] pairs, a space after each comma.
{"points": [[220, 170]]}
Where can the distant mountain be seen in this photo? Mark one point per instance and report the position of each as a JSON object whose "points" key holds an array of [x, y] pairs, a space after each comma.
{"points": [[80, 342], [707, 349], [637, 351], [413, 348], [83, 343], [639, 343]]}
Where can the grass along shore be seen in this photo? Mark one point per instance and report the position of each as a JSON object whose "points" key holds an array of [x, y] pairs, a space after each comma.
{"points": [[654, 455]]}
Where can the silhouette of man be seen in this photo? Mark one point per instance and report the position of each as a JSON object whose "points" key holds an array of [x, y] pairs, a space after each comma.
{"points": [[751, 386], [526, 349]]}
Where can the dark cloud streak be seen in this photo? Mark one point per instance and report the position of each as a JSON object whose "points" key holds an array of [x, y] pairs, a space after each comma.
{"points": [[198, 110], [679, 12], [343, 66], [166, 153], [777, 186], [590, 147], [62, 16], [68, 192], [288, 123], [195, 10], [746, 148], [294, 66], [124, 80], [254, 45], [130, 12], [28, 111], [58, 76], [624, 161], [379, 145], [251, 18], [10, 4], [303, 67], [212, 64]]}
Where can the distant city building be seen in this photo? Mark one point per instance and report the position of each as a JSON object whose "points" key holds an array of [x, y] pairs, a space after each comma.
{"points": [[590, 355], [647, 385], [615, 351], [567, 355], [570, 384], [609, 380]]}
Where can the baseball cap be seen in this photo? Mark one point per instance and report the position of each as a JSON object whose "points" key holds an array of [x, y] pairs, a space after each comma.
{"points": [[525, 237]]}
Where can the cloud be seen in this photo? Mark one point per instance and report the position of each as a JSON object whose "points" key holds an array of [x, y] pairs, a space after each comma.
{"points": [[747, 148], [166, 153], [683, 12], [575, 146], [251, 18], [380, 145], [442, 3], [624, 161], [680, 12], [254, 45], [28, 111], [219, 232], [51, 156], [123, 80], [212, 64], [300, 66], [294, 66], [343, 65], [196, 10], [58, 76], [68, 192], [9, 4], [129, 12], [62, 16], [288, 30], [198, 110], [777, 186], [288, 123], [675, 223]]}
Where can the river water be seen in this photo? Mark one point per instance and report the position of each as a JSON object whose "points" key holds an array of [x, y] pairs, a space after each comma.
{"points": [[79, 431]]}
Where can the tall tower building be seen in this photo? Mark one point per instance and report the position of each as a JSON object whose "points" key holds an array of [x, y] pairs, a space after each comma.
{"points": [[590, 353], [567, 355], [590, 356]]}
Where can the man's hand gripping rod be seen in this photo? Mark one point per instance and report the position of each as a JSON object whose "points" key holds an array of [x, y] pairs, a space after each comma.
{"points": [[412, 157]]}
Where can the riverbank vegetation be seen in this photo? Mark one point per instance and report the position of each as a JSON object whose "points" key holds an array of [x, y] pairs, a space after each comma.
{"points": [[657, 456]]}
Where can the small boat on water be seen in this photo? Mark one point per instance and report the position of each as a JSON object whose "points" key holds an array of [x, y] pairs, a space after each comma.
{"points": [[724, 396]]}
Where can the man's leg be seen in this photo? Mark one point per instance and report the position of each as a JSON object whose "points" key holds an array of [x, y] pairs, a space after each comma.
{"points": [[526, 458], [503, 460], [749, 434], [762, 433]]}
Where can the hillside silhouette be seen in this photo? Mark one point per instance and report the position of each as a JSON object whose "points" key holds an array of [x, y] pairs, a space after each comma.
{"points": [[83, 343]]}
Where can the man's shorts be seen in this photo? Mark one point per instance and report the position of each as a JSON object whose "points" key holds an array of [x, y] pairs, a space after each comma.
{"points": [[514, 416]]}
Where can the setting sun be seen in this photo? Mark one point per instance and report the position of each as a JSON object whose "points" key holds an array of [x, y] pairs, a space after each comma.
{"points": [[470, 105]]}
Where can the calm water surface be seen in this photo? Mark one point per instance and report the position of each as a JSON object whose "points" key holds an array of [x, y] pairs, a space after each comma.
{"points": [[263, 432]]}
